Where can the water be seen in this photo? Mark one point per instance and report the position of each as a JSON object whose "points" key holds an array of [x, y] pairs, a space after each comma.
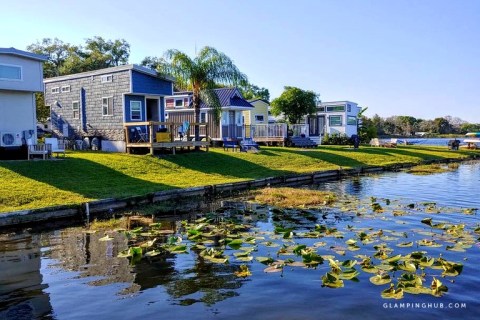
{"points": [[67, 273], [438, 142]]}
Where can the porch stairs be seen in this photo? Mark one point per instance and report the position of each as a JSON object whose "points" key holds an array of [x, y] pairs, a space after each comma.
{"points": [[316, 139], [302, 142]]}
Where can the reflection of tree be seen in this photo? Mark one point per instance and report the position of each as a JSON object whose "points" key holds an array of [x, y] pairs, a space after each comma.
{"points": [[205, 282], [21, 289]]}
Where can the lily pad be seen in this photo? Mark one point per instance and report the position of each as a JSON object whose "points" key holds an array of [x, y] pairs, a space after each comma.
{"points": [[381, 279], [392, 293]]}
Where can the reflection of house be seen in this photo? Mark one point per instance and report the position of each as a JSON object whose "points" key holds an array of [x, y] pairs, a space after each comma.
{"points": [[21, 75], [179, 108], [21, 282], [98, 103], [338, 117]]}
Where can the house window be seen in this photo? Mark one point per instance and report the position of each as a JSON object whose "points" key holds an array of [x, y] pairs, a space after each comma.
{"points": [[135, 110], [335, 108], [352, 121], [349, 108], [55, 90], [106, 78], [321, 109], [107, 106], [10, 72], [178, 103], [259, 118], [335, 121], [76, 109], [203, 117], [66, 89]]}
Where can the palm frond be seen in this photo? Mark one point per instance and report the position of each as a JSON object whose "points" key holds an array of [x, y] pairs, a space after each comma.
{"points": [[210, 98]]}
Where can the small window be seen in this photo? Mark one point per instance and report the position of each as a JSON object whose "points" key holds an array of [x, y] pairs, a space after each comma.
{"points": [[259, 118], [349, 108], [107, 106], [135, 110], [335, 108], [321, 109], [203, 117], [106, 78], [65, 88], [10, 72], [351, 121], [170, 103], [55, 90], [335, 121], [76, 109], [179, 103]]}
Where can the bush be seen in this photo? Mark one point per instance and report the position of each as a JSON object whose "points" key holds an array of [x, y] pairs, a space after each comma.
{"points": [[335, 139]]}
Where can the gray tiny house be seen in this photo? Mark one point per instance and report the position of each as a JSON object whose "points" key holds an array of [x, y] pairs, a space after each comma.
{"points": [[99, 103], [21, 75]]}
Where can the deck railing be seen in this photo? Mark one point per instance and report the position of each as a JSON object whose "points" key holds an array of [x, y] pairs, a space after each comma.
{"points": [[273, 130], [153, 132]]}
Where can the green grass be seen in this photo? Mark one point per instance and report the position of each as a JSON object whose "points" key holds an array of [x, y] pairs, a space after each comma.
{"points": [[85, 176]]}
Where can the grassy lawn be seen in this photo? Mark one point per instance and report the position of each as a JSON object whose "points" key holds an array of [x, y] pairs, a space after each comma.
{"points": [[85, 176]]}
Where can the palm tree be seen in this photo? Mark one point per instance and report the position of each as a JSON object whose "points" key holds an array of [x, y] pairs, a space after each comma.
{"points": [[207, 71]]}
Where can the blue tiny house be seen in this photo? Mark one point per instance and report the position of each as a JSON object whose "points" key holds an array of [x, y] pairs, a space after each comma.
{"points": [[21, 75], [98, 103]]}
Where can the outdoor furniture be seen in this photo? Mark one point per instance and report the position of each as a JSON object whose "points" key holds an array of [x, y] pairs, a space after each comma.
{"points": [[230, 144], [56, 146], [249, 145], [142, 136], [375, 142], [44, 150]]}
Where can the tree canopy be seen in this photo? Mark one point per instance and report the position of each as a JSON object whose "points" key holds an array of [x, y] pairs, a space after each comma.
{"points": [[201, 75], [295, 103], [96, 53]]}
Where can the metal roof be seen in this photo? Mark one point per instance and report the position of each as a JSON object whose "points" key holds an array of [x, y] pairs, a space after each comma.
{"points": [[25, 54], [229, 97]]}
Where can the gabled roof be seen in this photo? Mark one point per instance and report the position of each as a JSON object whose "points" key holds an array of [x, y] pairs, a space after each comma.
{"points": [[229, 97], [135, 67], [255, 100], [24, 54]]}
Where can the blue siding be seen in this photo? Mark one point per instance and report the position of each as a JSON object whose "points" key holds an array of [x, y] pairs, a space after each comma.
{"points": [[142, 83], [129, 98]]}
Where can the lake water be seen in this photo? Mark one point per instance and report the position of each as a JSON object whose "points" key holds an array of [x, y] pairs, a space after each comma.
{"points": [[69, 273]]}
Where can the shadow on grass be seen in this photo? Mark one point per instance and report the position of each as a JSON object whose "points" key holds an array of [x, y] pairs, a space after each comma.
{"points": [[80, 176], [222, 163]]}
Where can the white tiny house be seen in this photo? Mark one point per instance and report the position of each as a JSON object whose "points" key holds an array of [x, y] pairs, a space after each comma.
{"points": [[21, 76]]}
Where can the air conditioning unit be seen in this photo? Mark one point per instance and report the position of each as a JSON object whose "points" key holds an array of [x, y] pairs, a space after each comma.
{"points": [[10, 139]]}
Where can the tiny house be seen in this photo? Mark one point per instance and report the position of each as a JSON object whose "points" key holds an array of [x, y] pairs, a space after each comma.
{"points": [[21, 75], [179, 108], [99, 104]]}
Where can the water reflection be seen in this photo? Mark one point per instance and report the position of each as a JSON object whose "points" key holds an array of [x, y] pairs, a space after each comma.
{"points": [[22, 294]]}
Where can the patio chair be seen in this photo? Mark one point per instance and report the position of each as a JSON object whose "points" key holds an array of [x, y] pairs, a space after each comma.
{"points": [[375, 142], [44, 150], [57, 146]]}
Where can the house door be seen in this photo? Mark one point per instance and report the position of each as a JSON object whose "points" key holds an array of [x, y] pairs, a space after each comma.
{"points": [[321, 125], [153, 113], [313, 129], [231, 124]]}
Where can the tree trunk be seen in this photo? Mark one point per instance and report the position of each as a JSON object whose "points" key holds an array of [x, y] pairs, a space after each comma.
{"points": [[196, 108]]}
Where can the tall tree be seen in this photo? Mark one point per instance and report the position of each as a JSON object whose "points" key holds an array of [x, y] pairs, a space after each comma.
{"points": [[251, 91], [201, 75], [295, 103], [57, 52]]}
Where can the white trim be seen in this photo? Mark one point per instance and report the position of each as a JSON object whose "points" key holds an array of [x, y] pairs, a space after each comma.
{"points": [[55, 90], [15, 66], [65, 88], [106, 78], [140, 110], [78, 109], [259, 114], [107, 115]]}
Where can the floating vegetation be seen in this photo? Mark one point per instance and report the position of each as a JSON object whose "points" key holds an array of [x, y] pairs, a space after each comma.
{"points": [[431, 169], [327, 238], [294, 197]]}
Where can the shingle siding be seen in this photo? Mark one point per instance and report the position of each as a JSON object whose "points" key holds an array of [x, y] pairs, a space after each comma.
{"points": [[92, 122]]}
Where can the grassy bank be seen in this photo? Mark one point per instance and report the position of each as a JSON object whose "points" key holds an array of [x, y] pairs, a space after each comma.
{"points": [[86, 176]]}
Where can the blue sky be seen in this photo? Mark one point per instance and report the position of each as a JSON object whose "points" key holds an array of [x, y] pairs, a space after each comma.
{"points": [[396, 57]]}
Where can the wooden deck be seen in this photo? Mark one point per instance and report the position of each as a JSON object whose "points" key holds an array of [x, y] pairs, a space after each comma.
{"points": [[270, 140], [168, 139]]}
